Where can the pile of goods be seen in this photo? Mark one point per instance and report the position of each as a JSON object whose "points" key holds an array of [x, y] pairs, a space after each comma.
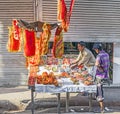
{"points": [[46, 78], [84, 77], [62, 75]]}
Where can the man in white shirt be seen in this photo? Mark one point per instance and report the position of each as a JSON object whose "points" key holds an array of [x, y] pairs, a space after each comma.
{"points": [[85, 58]]}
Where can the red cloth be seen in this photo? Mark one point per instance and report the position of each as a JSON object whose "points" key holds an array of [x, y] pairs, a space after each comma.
{"points": [[29, 43], [35, 60], [16, 30], [13, 44]]}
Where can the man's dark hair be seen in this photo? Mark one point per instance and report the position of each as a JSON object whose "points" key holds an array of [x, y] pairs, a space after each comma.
{"points": [[97, 46], [82, 43]]}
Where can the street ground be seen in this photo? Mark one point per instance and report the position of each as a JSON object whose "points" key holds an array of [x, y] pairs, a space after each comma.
{"points": [[17, 100]]}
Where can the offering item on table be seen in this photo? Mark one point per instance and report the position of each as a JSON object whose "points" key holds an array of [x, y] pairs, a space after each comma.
{"points": [[46, 78], [75, 80], [88, 80], [66, 61], [65, 74], [84, 77], [52, 74], [43, 59]]}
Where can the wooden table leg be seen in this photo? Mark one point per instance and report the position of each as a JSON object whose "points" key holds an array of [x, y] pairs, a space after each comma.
{"points": [[58, 107], [67, 101], [90, 102]]}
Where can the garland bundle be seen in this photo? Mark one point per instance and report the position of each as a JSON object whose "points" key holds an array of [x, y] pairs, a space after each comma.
{"points": [[29, 43], [63, 15], [45, 36], [34, 60], [13, 44], [58, 45]]}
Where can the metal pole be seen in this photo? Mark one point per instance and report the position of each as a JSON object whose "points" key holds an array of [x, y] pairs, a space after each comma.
{"points": [[90, 102], [32, 100], [58, 107], [67, 102]]}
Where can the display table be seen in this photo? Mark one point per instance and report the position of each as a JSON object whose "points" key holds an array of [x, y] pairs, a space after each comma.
{"points": [[64, 88]]}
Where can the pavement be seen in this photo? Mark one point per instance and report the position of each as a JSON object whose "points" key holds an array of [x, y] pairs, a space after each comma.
{"points": [[17, 100]]}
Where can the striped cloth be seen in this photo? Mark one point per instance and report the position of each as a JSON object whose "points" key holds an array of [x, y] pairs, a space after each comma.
{"points": [[104, 62]]}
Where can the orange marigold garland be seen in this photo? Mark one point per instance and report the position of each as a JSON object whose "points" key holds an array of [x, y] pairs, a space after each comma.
{"points": [[32, 75], [63, 15], [58, 45], [33, 63], [29, 43], [45, 36], [62, 10], [70, 11]]}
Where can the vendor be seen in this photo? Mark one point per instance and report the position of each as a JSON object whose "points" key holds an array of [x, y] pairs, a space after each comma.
{"points": [[85, 58]]}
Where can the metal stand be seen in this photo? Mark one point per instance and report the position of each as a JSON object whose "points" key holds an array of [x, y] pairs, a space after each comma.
{"points": [[67, 101], [90, 102], [32, 100], [58, 107]]}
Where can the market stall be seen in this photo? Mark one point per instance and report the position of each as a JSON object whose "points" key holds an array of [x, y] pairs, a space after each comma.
{"points": [[49, 72], [59, 77]]}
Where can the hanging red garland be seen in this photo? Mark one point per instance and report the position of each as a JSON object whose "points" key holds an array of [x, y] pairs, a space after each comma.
{"points": [[35, 60], [63, 15], [16, 29], [29, 43], [13, 44]]}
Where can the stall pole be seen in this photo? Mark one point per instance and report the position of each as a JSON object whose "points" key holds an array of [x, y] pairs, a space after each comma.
{"points": [[32, 99], [90, 102], [58, 107], [67, 101]]}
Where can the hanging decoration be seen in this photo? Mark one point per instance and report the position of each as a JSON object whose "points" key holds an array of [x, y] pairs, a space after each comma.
{"points": [[14, 40], [63, 14], [70, 11], [58, 45], [32, 75], [29, 43], [16, 29], [34, 60], [45, 37], [34, 48]]}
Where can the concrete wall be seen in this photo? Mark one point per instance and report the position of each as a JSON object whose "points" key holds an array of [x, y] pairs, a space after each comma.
{"points": [[116, 63]]}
